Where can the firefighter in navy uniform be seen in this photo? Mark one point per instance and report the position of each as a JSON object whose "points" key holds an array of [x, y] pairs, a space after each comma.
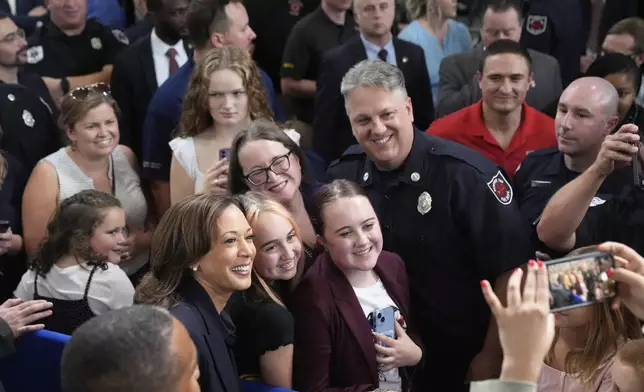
{"points": [[70, 51], [560, 29], [446, 210]]}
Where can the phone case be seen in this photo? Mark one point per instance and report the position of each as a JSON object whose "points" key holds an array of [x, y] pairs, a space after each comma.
{"points": [[383, 321]]}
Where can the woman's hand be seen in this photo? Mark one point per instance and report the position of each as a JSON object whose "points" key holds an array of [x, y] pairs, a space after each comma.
{"points": [[526, 327], [399, 352], [216, 177], [629, 273], [10, 243], [137, 242], [20, 315]]}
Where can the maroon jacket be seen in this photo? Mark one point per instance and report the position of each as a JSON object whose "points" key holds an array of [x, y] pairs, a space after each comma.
{"points": [[334, 348]]}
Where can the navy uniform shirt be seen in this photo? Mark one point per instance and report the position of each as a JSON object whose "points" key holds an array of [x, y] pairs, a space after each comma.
{"points": [[560, 29], [449, 213], [310, 39], [164, 113], [28, 119], [541, 174], [53, 53]]}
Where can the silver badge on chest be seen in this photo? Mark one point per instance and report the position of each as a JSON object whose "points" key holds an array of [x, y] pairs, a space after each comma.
{"points": [[28, 118], [97, 44], [424, 203]]}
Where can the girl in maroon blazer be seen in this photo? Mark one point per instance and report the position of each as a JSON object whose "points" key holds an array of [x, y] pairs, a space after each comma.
{"points": [[335, 349]]}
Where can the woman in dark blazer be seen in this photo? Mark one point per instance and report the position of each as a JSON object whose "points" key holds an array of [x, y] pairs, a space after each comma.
{"points": [[202, 253], [334, 347]]}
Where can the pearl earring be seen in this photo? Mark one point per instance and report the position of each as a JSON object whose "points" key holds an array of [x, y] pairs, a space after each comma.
{"points": [[195, 268]]}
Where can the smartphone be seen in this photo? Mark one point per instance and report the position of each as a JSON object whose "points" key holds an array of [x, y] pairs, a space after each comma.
{"points": [[581, 280], [638, 172], [5, 225], [224, 153], [383, 321]]}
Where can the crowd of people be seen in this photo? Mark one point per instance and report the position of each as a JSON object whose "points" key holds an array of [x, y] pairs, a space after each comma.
{"points": [[229, 190]]}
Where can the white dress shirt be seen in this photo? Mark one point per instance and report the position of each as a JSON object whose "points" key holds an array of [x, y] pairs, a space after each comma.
{"points": [[12, 6], [161, 60]]}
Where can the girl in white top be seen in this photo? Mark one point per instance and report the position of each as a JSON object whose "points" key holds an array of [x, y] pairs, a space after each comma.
{"points": [[76, 267], [93, 160], [225, 93]]}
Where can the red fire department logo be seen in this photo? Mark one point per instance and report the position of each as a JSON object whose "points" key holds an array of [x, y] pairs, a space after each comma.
{"points": [[501, 189], [295, 7], [536, 24]]}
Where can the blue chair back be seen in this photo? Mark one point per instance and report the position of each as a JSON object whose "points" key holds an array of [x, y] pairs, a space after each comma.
{"points": [[251, 386], [35, 367]]}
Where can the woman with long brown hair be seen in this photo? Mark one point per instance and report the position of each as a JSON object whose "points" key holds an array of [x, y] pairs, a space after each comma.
{"points": [[224, 95], [94, 159], [202, 252], [585, 344]]}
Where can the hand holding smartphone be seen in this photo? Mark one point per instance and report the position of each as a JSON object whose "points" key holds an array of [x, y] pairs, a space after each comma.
{"points": [[383, 321], [581, 280]]}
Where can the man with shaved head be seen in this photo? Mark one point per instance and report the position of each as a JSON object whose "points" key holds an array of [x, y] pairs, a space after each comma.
{"points": [[586, 115]]}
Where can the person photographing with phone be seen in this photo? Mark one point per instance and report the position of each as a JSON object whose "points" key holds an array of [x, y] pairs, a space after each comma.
{"points": [[574, 217], [352, 296]]}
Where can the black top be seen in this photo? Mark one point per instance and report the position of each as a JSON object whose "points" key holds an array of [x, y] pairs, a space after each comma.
{"points": [[541, 174], [67, 315], [28, 118], [449, 213], [310, 38], [273, 21], [12, 267], [261, 325], [53, 53], [620, 219]]}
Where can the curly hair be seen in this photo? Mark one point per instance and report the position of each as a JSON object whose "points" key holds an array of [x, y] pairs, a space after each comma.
{"points": [[72, 227], [195, 116]]}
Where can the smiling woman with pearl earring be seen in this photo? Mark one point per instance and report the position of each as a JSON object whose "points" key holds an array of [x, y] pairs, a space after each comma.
{"points": [[202, 252]]}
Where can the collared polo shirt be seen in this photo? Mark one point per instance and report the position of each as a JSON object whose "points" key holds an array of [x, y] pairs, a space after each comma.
{"points": [[466, 126]]}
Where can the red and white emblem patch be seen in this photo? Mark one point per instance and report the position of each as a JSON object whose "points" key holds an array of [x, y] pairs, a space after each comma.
{"points": [[536, 24], [501, 189], [295, 7]]}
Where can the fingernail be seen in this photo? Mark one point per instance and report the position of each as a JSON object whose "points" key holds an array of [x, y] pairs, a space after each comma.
{"points": [[609, 272], [540, 264], [531, 263], [517, 269], [483, 283]]}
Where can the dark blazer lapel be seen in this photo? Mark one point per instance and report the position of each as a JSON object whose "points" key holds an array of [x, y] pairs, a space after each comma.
{"points": [[147, 63], [350, 310], [402, 60], [357, 49], [217, 332], [188, 47]]}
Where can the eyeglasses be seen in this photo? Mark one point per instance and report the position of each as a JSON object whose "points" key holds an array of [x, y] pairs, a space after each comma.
{"points": [[80, 93], [11, 37], [279, 165]]}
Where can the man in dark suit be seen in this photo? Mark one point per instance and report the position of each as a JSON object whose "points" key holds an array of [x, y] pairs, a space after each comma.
{"points": [[142, 67], [332, 130], [458, 82]]}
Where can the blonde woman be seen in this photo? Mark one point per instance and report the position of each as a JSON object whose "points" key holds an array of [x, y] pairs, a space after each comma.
{"points": [[433, 29], [224, 95], [264, 327], [585, 344]]}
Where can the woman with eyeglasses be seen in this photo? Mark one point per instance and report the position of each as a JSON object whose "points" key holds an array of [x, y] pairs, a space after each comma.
{"points": [[266, 160], [224, 95], [92, 160]]}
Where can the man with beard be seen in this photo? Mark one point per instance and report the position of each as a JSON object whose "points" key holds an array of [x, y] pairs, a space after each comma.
{"points": [[501, 125], [27, 112], [143, 66]]}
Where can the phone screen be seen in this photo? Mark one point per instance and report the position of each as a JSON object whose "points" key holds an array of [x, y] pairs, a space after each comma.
{"points": [[580, 280], [224, 153]]}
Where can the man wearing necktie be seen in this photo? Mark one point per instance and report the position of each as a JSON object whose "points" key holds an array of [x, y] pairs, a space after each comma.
{"points": [[146, 64], [332, 130]]}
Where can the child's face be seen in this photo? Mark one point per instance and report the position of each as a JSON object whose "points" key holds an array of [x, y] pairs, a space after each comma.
{"points": [[625, 378]]}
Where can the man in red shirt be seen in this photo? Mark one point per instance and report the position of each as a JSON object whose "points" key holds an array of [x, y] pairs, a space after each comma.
{"points": [[501, 125]]}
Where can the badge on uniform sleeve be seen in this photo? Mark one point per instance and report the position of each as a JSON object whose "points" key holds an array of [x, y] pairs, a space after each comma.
{"points": [[536, 24], [28, 119], [424, 203], [295, 7], [501, 188], [97, 44], [597, 201], [121, 36], [35, 55]]}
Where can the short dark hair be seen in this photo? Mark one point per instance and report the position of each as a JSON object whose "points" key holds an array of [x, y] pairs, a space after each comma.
{"points": [[502, 6], [634, 27], [505, 46], [206, 17], [616, 63], [125, 350]]}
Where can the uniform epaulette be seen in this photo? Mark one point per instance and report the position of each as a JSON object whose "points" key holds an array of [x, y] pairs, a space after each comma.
{"points": [[462, 153], [353, 151]]}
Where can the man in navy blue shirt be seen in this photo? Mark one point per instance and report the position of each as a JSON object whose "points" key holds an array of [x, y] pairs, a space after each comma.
{"points": [[229, 20]]}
